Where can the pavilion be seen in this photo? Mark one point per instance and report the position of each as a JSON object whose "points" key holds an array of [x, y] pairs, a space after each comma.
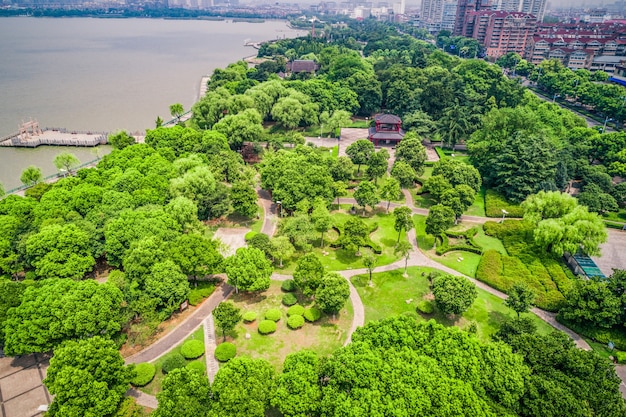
{"points": [[386, 131]]}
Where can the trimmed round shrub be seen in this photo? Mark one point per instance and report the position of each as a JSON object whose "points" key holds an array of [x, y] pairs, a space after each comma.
{"points": [[296, 310], [192, 349], [225, 352], [295, 322], [174, 361], [425, 307], [312, 314], [288, 285], [267, 327], [250, 235], [145, 373], [289, 299], [273, 314], [199, 366], [249, 316]]}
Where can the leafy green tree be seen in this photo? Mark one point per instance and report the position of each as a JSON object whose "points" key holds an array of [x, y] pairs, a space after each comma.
{"points": [[185, 393], [184, 211], [244, 199], [66, 161], [411, 151], [596, 200], [60, 251], [355, 233], [59, 309], [366, 194], [377, 164], [31, 175], [404, 250], [243, 388], [308, 274], [404, 173], [321, 220], [249, 270], [177, 110], [197, 184], [369, 261], [87, 377], [520, 299], [440, 218], [403, 220], [299, 230], [390, 190], [342, 168], [288, 112], [142, 255], [437, 185], [419, 122], [11, 294], [196, 255], [121, 139], [242, 127], [457, 172], [339, 119], [360, 152], [332, 293], [592, 303], [281, 248], [227, 316], [167, 284], [298, 392], [454, 294]]}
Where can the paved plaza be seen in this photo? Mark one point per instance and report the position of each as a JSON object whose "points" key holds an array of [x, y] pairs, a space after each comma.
{"points": [[21, 391], [613, 253]]}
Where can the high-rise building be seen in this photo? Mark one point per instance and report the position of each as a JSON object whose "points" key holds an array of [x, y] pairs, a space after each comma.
{"points": [[501, 32], [463, 9], [534, 7], [437, 15]]}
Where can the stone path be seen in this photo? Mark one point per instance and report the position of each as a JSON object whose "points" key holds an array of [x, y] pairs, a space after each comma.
{"points": [[143, 399], [22, 392], [212, 365]]}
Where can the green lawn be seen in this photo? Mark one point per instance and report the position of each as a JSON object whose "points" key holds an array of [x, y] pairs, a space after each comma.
{"points": [[422, 200], [155, 386], [428, 172], [424, 241], [340, 259], [321, 337], [478, 208], [461, 261], [618, 216], [393, 294]]}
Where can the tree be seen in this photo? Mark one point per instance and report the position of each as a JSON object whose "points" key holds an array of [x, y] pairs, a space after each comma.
{"points": [[453, 294], [332, 293], [185, 393], [281, 248], [197, 184], [249, 270], [596, 200], [242, 388], [561, 226], [404, 249], [31, 176], [360, 152], [457, 172], [66, 161], [403, 172], [355, 233], [288, 112], [308, 274], [298, 391], [184, 211], [227, 316], [244, 199], [390, 190], [339, 118], [590, 302], [520, 298], [440, 218], [87, 377], [121, 139], [299, 230], [11, 294], [2, 192], [437, 185], [342, 168], [167, 284], [411, 151], [366, 194], [369, 261], [177, 110], [241, 127], [377, 164], [321, 220], [403, 220]]}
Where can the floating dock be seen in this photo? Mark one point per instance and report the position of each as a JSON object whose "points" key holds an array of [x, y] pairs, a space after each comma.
{"points": [[30, 135]]}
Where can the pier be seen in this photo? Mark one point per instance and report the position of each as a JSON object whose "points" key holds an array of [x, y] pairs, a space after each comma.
{"points": [[30, 135]]}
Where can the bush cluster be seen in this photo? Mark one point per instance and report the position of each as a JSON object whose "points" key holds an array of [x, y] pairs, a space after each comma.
{"points": [[295, 322], [173, 361], [250, 235], [289, 299], [296, 310], [621, 357], [312, 314], [426, 307], [199, 293], [369, 243], [273, 314], [494, 203], [288, 285], [267, 327], [225, 352], [597, 334], [470, 246], [192, 349], [249, 316], [144, 374], [197, 366]]}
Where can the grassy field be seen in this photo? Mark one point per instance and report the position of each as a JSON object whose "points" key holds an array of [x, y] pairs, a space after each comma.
{"points": [[321, 337], [478, 208], [393, 294], [155, 386], [618, 216], [337, 259]]}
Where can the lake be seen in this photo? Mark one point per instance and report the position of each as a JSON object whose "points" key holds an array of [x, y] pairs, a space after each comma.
{"points": [[108, 74]]}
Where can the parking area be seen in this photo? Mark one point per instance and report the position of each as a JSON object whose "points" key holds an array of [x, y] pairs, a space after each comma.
{"points": [[21, 390]]}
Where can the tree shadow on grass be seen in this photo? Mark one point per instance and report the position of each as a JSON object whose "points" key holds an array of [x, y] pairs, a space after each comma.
{"points": [[496, 318], [248, 298]]}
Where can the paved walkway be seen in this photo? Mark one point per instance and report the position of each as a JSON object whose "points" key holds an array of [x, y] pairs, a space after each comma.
{"points": [[212, 365], [143, 399], [269, 209]]}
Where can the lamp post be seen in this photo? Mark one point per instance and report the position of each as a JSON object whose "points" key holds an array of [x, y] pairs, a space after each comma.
{"points": [[280, 209], [556, 95], [504, 213], [605, 121]]}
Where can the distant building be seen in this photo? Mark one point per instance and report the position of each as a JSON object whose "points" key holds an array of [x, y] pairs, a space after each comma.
{"points": [[438, 15], [302, 65], [463, 10], [535, 7], [501, 32], [387, 130]]}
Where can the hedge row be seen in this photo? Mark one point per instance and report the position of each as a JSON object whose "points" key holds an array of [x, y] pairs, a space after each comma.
{"points": [[617, 335], [199, 293], [369, 243], [471, 246], [494, 203]]}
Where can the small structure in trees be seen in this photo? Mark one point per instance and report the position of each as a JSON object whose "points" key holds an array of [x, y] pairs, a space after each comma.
{"points": [[387, 130]]}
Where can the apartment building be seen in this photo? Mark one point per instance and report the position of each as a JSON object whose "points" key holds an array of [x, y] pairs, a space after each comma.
{"points": [[501, 32]]}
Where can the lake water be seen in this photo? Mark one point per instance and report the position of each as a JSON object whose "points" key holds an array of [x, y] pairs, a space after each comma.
{"points": [[108, 74]]}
